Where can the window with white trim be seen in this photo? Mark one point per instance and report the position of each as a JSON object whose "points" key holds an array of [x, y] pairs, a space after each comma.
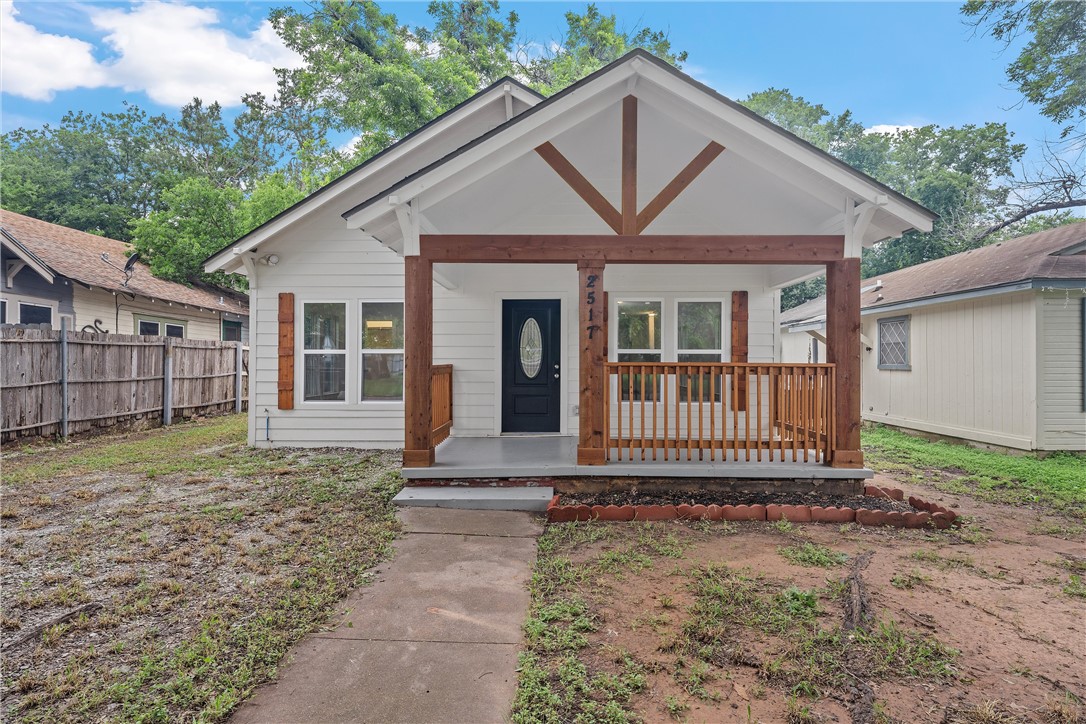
{"points": [[35, 313], [324, 351], [894, 343], [700, 339], [382, 350], [231, 331]]}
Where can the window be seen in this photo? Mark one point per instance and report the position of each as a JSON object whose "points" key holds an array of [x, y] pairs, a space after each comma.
{"points": [[701, 335], [156, 327], [231, 331], [3, 311], [640, 337], [35, 314], [894, 343], [324, 351], [382, 350]]}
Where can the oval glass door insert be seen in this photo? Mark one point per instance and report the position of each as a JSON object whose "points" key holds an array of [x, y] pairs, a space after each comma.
{"points": [[531, 348]]}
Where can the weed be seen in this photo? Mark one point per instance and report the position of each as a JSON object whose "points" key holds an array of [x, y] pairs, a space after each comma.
{"points": [[676, 709], [783, 526], [813, 555], [799, 603], [909, 580], [1075, 587], [798, 713], [667, 601]]}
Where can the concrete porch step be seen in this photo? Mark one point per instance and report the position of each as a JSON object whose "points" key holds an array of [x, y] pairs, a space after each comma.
{"points": [[440, 496]]}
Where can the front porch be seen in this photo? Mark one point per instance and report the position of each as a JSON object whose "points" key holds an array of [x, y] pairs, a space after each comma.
{"points": [[541, 457]]}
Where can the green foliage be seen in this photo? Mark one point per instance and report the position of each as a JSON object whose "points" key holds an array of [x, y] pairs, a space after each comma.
{"points": [[813, 555], [1050, 69], [1057, 480]]}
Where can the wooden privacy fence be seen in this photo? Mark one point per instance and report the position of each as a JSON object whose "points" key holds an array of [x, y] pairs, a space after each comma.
{"points": [[674, 411], [58, 382], [442, 401]]}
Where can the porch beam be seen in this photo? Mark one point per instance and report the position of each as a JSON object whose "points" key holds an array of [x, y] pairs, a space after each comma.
{"points": [[629, 166], [678, 184], [418, 449], [843, 350], [591, 448], [622, 249], [580, 185]]}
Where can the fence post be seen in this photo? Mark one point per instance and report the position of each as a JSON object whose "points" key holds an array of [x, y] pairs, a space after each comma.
{"points": [[167, 382], [237, 376], [64, 377]]}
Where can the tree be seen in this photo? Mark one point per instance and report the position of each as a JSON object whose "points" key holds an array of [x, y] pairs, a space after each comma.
{"points": [[1050, 72], [591, 41], [93, 172]]}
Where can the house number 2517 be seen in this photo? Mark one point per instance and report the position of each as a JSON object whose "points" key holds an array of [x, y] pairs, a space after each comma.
{"points": [[590, 298]]}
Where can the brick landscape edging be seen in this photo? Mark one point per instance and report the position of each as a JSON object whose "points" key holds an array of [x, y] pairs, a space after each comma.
{"points": [[931, 515]]}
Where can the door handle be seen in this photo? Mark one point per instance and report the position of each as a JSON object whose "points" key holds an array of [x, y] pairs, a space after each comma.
{"points": [[555, 375]]}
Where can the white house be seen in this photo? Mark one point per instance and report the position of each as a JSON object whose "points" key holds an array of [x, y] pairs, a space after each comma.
{"points": [[592, 277], [986, 345]]}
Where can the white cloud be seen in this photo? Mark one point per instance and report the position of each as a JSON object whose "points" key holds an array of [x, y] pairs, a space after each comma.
{"points": [[170, 51], [36, 65], [889, 128], [174, 52]]}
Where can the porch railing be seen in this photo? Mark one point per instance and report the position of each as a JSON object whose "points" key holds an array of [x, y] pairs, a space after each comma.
{"points": [[685, 411], [442, 401]]}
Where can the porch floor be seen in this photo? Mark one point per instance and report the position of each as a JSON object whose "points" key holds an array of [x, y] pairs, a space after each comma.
{"points": [[556, 456]]}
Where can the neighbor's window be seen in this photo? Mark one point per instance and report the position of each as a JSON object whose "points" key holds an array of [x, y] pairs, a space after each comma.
{"points": [[701, 335], [382, 350], [35, 314], [3, 310], [894, 343], [231, 331], [324, 351], [160, 327], [640, 335]]}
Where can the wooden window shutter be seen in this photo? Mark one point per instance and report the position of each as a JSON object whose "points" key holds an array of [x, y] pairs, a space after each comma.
{"points": [[286, 351], [739, 345]]}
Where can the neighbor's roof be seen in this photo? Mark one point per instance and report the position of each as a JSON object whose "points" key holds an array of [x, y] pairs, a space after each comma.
{"points": [[76, 255], [1055, 254]]}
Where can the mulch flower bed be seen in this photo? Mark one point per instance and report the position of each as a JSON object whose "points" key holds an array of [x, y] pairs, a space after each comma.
{"points": [[876, 507]]}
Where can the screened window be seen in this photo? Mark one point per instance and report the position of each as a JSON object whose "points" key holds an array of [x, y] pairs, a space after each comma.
{"points": [[149, 327], [700, 339], [894, 343], [35, 314], [231, 331], [324, 351], [640, 336], [382, 350]]}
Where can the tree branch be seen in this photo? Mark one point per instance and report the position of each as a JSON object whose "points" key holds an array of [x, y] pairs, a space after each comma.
{"points": [[1037, 209]]}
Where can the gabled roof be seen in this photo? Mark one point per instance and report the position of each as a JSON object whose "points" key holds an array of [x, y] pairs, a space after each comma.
{"points": [[392, 155], [76, 255], [639, 63], [1057, 254]]}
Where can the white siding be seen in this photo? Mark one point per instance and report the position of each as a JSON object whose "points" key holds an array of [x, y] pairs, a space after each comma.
{"points": [[799, 347], [1062, 422], [343, 264], [973, 375], [117, 315]]}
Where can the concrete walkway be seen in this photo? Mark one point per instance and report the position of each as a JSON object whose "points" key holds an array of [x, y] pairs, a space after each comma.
{"points": [[434, 639]]}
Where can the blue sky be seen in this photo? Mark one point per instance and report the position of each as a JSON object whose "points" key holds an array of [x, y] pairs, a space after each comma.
{"points": [[907, 63]]}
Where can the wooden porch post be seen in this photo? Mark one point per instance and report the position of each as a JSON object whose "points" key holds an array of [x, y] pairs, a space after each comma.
{"points": [[843, 350], [418, 449], [593, 345]]}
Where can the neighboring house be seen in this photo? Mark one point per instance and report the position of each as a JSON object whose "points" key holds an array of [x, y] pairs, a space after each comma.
{"points": [[53, 272], [986, 345], [598, 270]]}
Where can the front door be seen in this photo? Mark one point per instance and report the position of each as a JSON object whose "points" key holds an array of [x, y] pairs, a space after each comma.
{"points": [[531, 365]]}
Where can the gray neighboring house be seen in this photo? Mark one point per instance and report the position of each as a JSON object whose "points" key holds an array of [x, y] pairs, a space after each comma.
{"points": [[986, 346], [53, 273]]}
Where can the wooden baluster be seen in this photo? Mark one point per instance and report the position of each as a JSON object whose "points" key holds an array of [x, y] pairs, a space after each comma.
{"points": [[758, 410], [630, 393], [746, 406], [642, 443], [606, 413], [655, 382], [712, 415]]}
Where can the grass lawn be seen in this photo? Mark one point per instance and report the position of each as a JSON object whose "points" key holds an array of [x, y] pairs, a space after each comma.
{"points": [[1057, 481], [193, 563]]}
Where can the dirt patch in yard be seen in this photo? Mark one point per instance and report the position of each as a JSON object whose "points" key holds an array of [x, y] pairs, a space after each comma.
{"points": [[161, 575], [774, 622]]}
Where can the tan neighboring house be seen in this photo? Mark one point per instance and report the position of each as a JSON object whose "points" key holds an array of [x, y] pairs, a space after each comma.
{"points": [[52, 272], [986, 345]]}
